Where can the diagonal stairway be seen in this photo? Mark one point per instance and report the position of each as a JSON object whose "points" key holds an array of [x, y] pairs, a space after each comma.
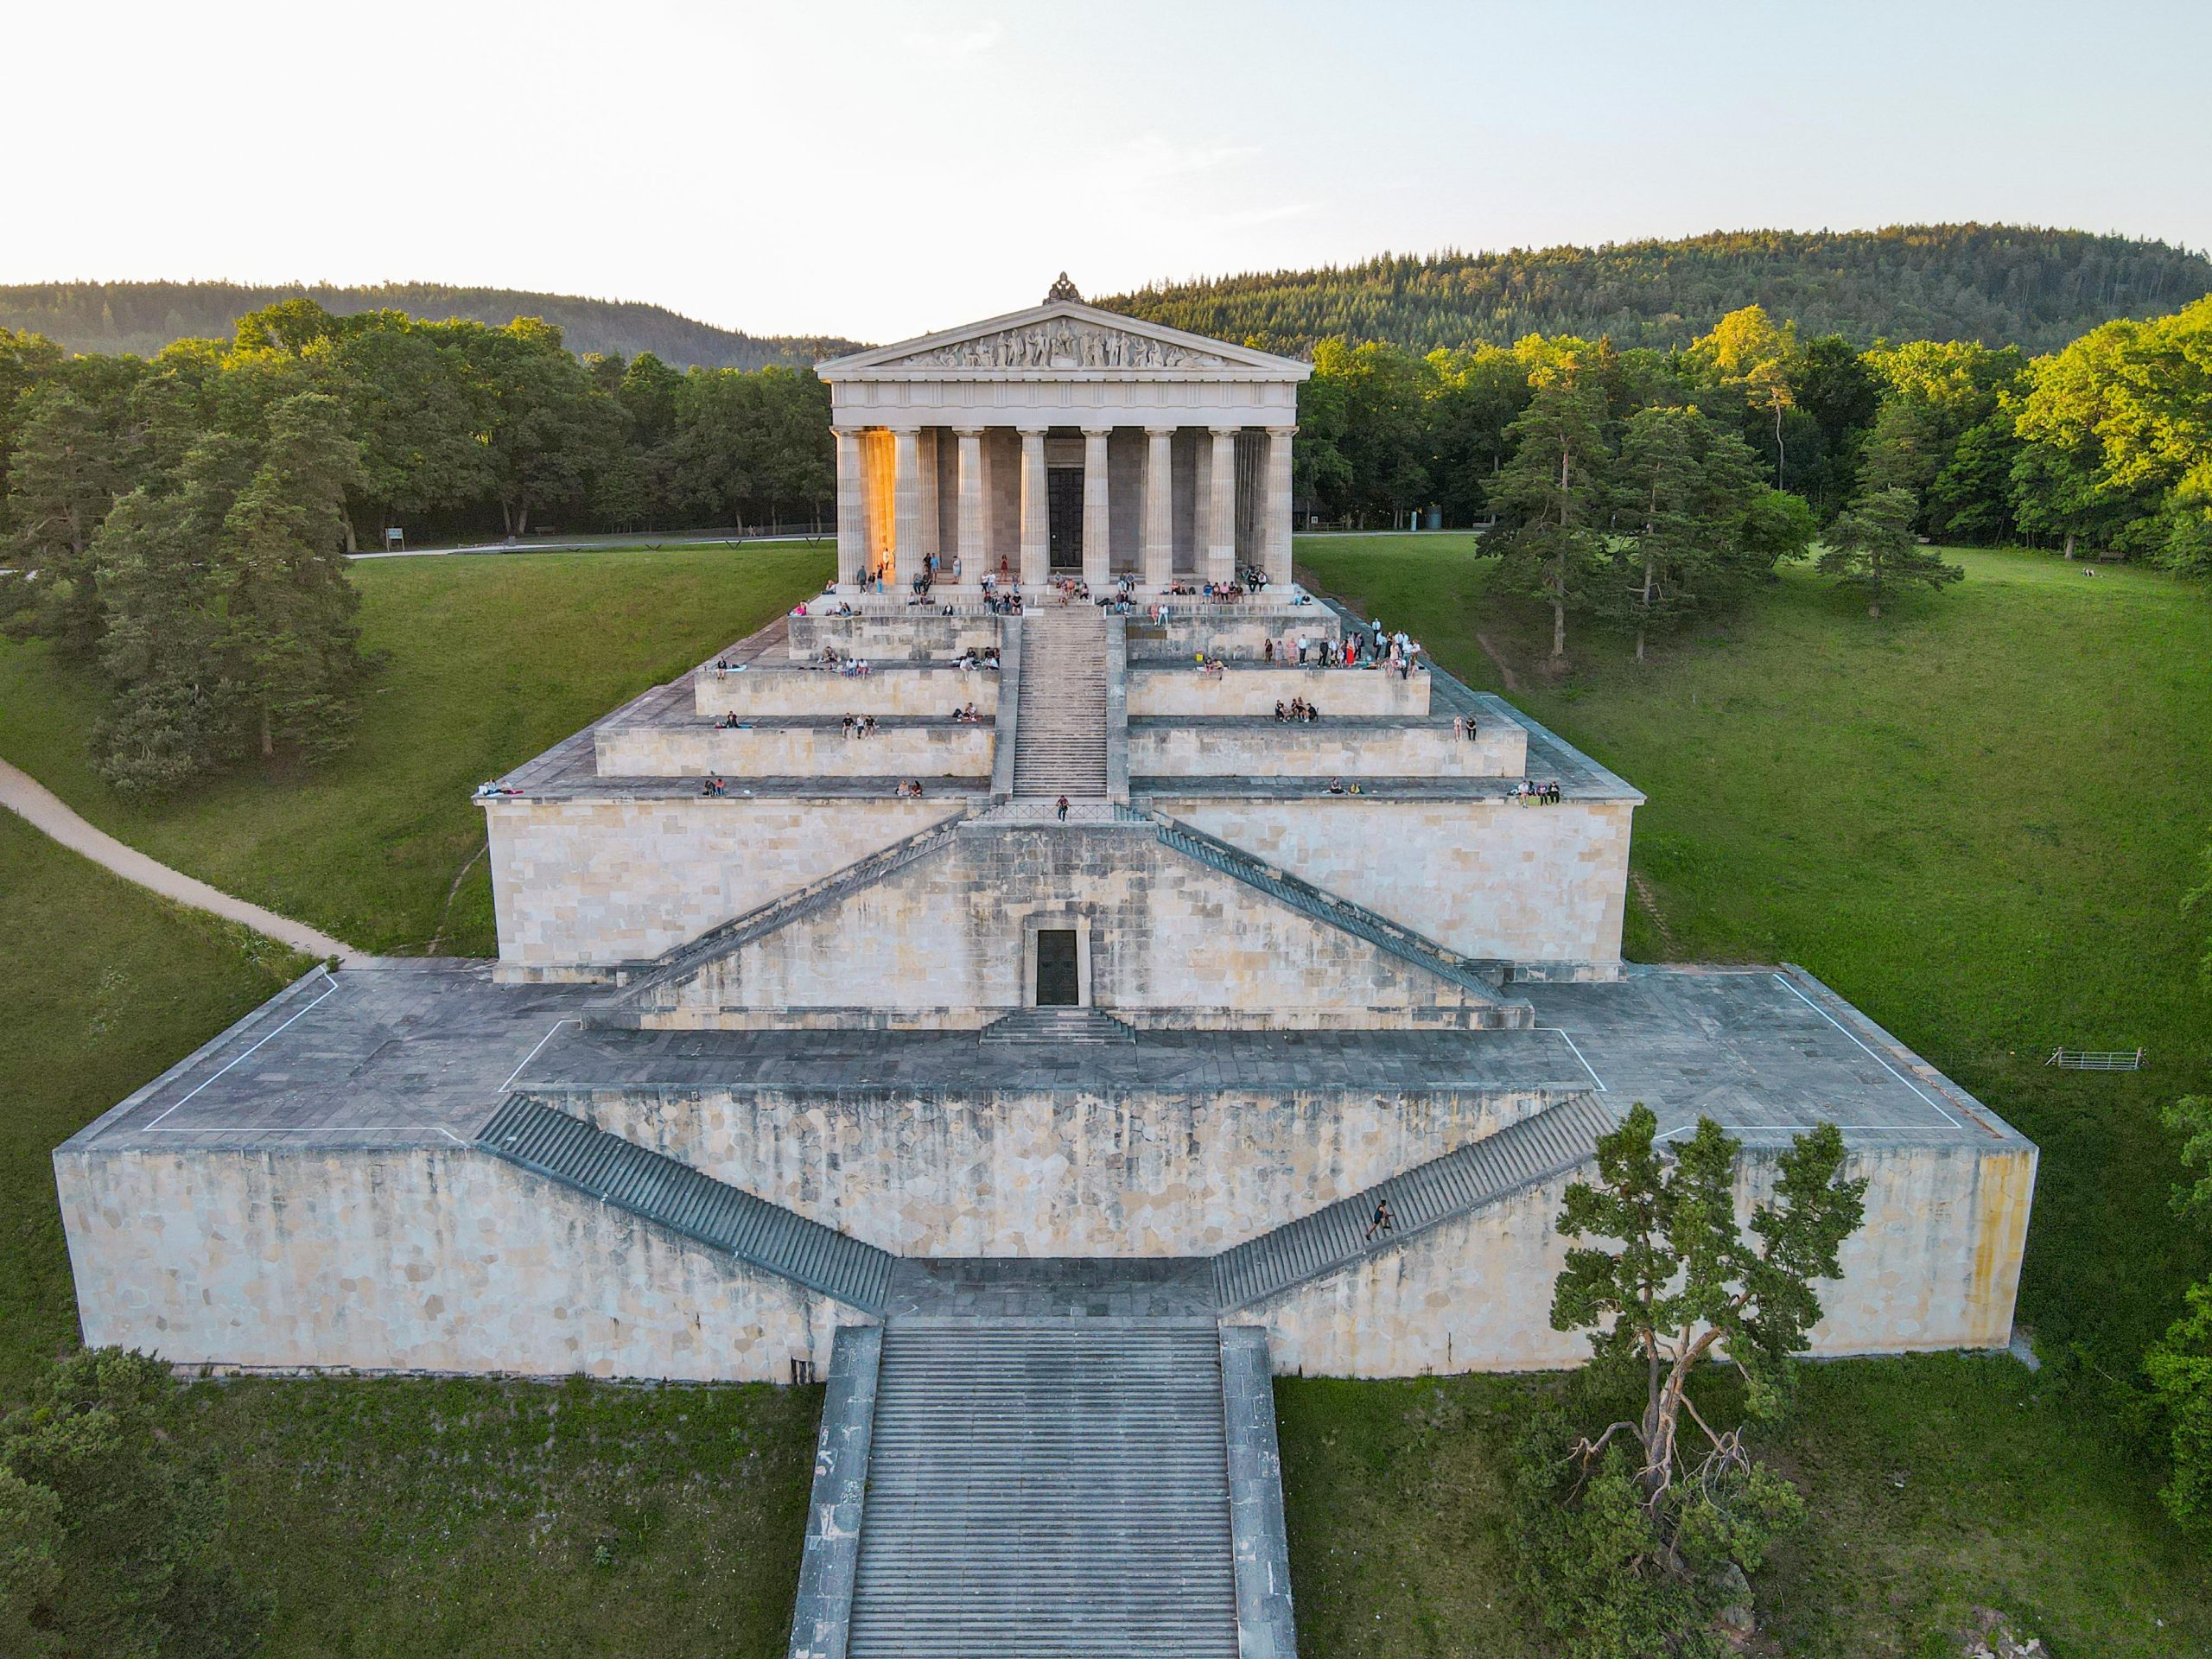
{"points": [[1059, 746], [1554, 1141], [1047, 1490]]}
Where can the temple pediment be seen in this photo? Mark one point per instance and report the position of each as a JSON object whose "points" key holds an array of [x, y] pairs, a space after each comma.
{"points": [[1062, 337]]}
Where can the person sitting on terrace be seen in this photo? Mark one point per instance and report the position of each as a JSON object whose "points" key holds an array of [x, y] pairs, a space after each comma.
{"points": [[1312, 714], [868, 725], [850, 723], [1336, 786], [1268, 652], [1281, 712]]}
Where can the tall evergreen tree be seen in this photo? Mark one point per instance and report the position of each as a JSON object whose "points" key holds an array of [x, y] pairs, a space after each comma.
{"points": [[1556, 486], [1871, 547]]}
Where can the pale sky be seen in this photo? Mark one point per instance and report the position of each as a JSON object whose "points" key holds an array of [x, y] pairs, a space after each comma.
{"points": [[875, 170]]}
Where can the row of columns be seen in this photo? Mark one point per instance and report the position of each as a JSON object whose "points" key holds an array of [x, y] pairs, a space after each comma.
{"points": [[913, 527]]}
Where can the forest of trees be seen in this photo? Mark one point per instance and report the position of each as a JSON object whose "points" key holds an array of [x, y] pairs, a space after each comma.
{"points": [[141, 318], [2106, 443], [181, 521], [1997, 284]]}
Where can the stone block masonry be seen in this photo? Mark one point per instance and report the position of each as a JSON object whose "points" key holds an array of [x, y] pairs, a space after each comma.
{"points": [[1320, 751], [1935, 1267], [944, 942], [765, 691], [421, 1258], [1253, 692], [1541, 885], [1089, 1172], [582, 884], [900, 747]]}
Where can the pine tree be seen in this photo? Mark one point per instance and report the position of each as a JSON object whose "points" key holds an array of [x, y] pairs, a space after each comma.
{"points": [[1659, 481], [290, 640], [1686, 1285], [1556, 484], [1871, 546], [68, 466]]}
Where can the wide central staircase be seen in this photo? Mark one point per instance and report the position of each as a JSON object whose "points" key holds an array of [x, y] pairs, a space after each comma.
{"points": [[1047, 1489], [1060, 714]]}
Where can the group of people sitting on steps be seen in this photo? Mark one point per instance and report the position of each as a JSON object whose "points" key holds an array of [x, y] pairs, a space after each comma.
{"points": [[910, 789], [859, 725], [1297, 709], [1542, 794], [966, 714], [714, 786], [730, 722]]}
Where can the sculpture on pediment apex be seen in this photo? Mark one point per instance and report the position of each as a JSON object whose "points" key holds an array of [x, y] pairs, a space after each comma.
{"points": [[1062, 289]]}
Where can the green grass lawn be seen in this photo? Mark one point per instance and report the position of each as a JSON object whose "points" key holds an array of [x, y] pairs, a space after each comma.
{"points": [[486, 661], [387, 1517], [1975, 818]]}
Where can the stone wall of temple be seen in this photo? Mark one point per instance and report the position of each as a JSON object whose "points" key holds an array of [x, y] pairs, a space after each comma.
{"points": [[1541, 885], [905, 636], [1239, 634], [766, 692], [1079, 1172], [1320, 751], [597, 882], [942, 748], [1171, 942], [1936, 1266], [418, 1258], [1254, 692]]}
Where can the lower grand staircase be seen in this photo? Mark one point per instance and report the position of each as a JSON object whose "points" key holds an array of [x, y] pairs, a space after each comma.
{"points": [[1046, 1490], [1060, 745]]}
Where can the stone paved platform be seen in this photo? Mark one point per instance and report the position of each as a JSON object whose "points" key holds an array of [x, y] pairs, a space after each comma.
{"points": [[399, 1051]]}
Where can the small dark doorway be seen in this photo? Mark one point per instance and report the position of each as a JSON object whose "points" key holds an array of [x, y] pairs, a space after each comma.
{"points": [[1057, 983], [1064, 516]]}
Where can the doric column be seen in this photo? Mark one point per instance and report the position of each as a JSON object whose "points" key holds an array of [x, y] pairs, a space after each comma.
{"points": [[1036, 528], [930, 516], [1277, 518], [906, 504], [971, 504], [1221, 526], [1096, 523], [1158, 507], [852, 509]]}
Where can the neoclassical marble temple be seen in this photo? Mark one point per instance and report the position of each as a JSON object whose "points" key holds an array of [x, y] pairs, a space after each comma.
{"points": [[1063, 439]]}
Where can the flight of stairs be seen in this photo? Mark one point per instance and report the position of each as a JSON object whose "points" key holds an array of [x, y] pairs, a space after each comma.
{"points": [[1051, 1488], [1060, 713], [1057, 1028]]}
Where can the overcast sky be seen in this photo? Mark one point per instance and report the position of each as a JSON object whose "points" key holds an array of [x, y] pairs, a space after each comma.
{"points": [[875, 170]]}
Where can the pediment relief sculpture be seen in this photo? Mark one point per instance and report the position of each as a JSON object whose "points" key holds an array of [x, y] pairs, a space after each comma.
{"points": [[1062, 344]]}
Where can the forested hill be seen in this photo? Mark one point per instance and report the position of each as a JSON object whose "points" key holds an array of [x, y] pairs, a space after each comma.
{"points": [[2000, 284], [143, 317]]}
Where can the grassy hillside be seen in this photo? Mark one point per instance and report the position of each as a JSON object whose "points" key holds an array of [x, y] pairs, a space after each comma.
{"points": [[1997, 283], [1975, 818], [143, 317], [486, 662], [382, 1517]]}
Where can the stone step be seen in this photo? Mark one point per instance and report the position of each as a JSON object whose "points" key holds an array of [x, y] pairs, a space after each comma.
{"points": [[1057, 1025], [1052, 1488]]}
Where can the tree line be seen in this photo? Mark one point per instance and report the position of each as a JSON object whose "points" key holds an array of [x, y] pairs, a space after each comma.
{"points": [[1642, 484], [181, 522], [1997, 284], [141, 318]]}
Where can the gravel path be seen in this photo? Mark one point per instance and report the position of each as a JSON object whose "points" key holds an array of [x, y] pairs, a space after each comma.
{"points": [[24, 795]]}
